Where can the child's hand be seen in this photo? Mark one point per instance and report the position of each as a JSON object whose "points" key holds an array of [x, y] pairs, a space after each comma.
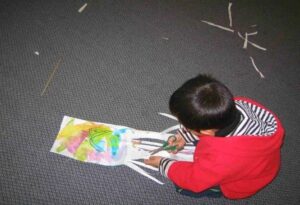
{"points": [[153, 161], [178, 141]]}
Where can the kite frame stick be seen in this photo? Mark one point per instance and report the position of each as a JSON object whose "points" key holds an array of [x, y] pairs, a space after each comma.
{"points": [[142, 172]]}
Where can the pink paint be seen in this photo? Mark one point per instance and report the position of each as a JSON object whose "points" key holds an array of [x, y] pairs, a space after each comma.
{"points": [[93, 155], [75, 142]]}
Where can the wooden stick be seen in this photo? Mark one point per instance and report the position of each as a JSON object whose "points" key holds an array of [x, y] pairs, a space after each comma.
{"points": [[51, 76], [253, 44], [82, 8], [218, 26], [246, 41], [229, 14], [257, 70]]}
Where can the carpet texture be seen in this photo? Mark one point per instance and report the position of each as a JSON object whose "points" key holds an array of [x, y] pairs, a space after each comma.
{"points": [[121, 60]]}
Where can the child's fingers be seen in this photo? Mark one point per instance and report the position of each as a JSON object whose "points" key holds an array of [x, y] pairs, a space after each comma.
{"points": [[172, 139], [153, 161], [148, 161], [175, 140], [179, 149]]}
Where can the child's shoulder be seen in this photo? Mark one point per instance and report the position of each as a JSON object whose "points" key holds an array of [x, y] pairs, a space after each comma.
{"points": [[249, 102]]}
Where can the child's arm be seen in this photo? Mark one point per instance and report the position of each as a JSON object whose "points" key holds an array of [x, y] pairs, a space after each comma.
{"points": [[193, 176]]}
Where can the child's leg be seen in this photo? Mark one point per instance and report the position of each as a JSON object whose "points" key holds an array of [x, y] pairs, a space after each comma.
{"points": [[212, 193]]}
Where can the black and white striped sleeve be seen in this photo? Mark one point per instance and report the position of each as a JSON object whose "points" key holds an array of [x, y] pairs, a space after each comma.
{"points": [[164, 166], [256, 121], [187, 135]]}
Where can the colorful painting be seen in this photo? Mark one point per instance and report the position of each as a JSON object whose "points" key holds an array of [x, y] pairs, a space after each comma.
{"points": [[112, 145]]}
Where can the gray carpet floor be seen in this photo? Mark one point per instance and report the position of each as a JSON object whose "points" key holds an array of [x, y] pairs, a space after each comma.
{"points": [[121, 60]]}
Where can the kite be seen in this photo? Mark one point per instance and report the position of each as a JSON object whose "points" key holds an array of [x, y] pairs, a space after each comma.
{"points": [[113, 145]]}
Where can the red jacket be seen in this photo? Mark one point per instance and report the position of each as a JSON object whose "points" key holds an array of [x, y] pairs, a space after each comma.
{"points": [[240, 165]]}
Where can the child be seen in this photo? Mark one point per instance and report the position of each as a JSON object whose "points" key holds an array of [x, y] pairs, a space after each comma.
{"points": [[238, 152]]}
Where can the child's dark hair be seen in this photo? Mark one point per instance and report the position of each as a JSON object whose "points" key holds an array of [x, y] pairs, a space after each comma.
{"points": [[203, 103]]}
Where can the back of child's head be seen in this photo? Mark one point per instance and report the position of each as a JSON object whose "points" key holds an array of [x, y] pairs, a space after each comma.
{"points": [[203, 103]]}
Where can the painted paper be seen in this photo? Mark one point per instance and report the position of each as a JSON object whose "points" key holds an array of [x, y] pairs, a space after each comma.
{"points": [[112, 145]]}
